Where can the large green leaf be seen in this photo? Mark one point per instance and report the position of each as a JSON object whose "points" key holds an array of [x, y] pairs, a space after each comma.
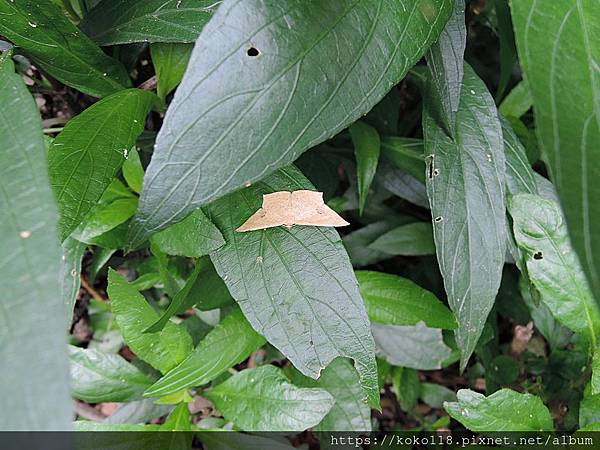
{"points": [[559, 49], [259, 93], [417, 347], [445, 60], [226, 345], [170, 62], [412, 239], [102, 377], [88, 153], [348, 413], [35, 370], [465, 185], [393, 300], [295, 286], [552, 265], [367, 147], [504, 410], [113, 22], [162, 350], [193, 236], [57, 47], [264, 400]]}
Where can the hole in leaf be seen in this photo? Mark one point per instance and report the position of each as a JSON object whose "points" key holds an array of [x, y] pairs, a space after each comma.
{"points": [[252, 51], [538, 255], [429, 164]]}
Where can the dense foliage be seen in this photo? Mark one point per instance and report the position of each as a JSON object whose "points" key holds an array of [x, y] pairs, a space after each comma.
{"points": [[460, 140]]}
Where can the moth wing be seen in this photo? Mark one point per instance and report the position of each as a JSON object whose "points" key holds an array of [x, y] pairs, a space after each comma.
{"points": [[275, 211], [310, 209]]}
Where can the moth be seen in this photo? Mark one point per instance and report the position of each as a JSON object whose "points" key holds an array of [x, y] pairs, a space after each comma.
{"points": [[287, 209]]}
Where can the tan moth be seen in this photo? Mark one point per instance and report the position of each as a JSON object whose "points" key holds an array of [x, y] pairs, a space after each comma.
{"points": [[287, 209]]}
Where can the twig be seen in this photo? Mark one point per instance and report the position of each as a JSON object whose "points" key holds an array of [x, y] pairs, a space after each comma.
{"points": [[90, 290]]}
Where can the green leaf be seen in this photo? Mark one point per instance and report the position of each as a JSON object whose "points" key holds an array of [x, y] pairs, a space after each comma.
{"points": [[552, 265], [163, 350], [263, 399], [70, 272], [113, 22], [504, 410], [595, 380], [349, 413], [358, 243], [557, 335], [177, 303], [259, 93], [366, 151], [209, 291], [417, 347], [435, 395], [589, 408], [393, 300], [517, 102], [57, 47], [403, 185], [88, 153], [35, 393], [194, 236], [226, 345], [465, 185], [295, 286], [86, 425], [105, 217], [172, 284], [445, 60], [559, 49], [520, 177], [406, 154], [412, 239], [98, 377], [179, 419], [133, 172], [170, 62], [406, 387], [146, 281]]}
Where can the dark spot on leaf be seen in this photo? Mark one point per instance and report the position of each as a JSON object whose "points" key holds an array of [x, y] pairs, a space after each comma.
{"points": [[430, 169], [538, 255], [253, 51]]}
